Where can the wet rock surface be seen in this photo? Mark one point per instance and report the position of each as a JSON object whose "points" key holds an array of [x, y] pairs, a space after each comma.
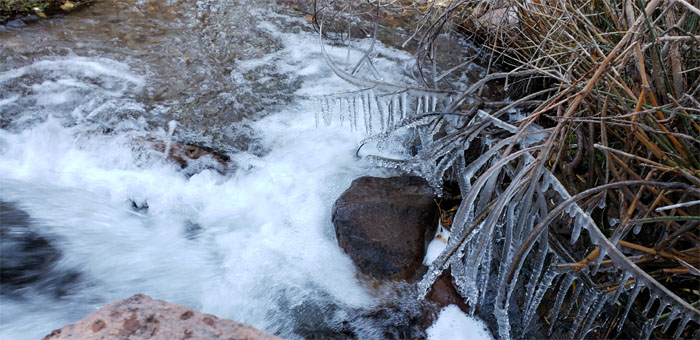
{"points": [[384, 224], [26, 256], [398, 315], [28, 259], [444, 293], [141, 317]]}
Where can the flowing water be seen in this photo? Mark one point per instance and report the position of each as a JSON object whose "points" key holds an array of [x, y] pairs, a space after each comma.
{"points": [[92, 103]]}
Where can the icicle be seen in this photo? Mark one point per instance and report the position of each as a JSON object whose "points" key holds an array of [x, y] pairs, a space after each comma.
{"points": [[317, 111], [501, 314], [353, 115], [341, 111], [484, 266], [464, 185], [434, 103], [630, 300], [466, 287], [419, 105], [583, 309], [485, 273], [426, 103], [535, 301], [327, 110], [381, 112], [662, 307], [564, 287], [598, 259], [404, 105], [348, 111], [601, 203], [651, 301], [396, 108], [576, 232], [669, 319], [540, 256], [574, 297], [507, 241], [440, 264], [389, 112], [324, 107], [681, 326], [435, 176], [429, 278], [389, 163], [621, 288], [367, 101], [649, 326], [593, 315], [637, 228]]}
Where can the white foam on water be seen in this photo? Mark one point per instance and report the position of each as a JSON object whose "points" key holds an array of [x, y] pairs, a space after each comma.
{"points": [[453, 324]]}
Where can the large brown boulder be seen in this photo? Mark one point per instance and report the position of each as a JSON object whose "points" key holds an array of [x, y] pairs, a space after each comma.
{"points": [[384, 224], [141, 317]]}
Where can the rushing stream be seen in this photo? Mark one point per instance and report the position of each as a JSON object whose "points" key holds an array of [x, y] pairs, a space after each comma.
{"points": [[91, 103]]}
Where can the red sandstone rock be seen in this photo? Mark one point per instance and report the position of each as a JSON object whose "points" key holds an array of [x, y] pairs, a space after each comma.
{"points": [[444, 293], [384, 224], [141, 317]]}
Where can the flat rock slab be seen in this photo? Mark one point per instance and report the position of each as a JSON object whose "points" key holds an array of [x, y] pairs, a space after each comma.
{"points": [[385, 223], [141, 317]]}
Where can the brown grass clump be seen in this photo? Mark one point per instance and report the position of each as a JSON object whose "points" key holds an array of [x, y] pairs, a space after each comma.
{"points": [[625, 106]]}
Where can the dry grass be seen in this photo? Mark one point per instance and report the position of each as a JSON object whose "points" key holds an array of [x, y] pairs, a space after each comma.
{"points": [[626, 80]]}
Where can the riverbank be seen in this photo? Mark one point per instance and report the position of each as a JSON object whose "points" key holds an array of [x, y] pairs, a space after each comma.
{"points": [[611, 88], [30, 9]]}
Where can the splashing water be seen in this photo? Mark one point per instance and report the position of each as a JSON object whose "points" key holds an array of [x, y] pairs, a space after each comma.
{"points": [[253, 243]]}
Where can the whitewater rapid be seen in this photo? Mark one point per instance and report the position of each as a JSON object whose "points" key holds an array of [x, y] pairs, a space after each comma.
{"points": [[254, 244]]}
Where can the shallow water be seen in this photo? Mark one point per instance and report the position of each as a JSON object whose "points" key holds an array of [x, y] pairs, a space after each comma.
{"points": [[89, 102]]}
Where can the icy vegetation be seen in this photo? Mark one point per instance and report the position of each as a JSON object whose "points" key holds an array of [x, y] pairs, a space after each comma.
{"points": [[499, 249]]}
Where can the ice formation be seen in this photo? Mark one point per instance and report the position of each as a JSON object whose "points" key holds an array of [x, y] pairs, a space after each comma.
{"points": [[503, 219]]}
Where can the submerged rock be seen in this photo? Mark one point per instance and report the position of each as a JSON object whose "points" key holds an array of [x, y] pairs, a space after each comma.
{"points": [[384, 224], [141, 317], [26, 256], [28, 260], [192, 158]]}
